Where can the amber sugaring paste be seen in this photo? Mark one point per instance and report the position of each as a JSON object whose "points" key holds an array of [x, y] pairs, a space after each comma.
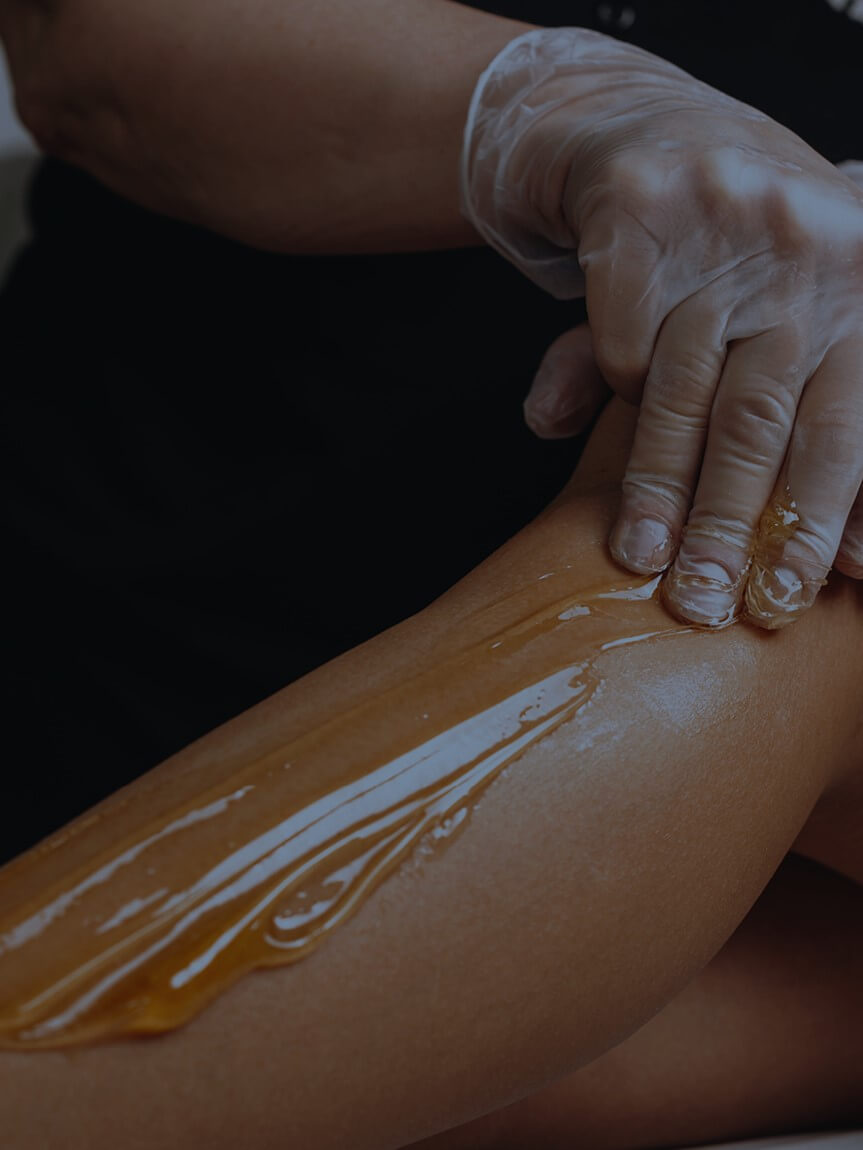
{"points": [[135, 931]]}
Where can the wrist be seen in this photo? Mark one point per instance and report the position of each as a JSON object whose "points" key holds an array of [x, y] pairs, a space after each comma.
{"points": [[517, 155], [530, 142]]}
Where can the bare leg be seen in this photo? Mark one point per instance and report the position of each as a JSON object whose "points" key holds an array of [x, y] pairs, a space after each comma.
{"points": [[768, 1039], [596, 879]]}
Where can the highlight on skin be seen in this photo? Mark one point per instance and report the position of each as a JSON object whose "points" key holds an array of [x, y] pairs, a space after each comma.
{"points": [[129, 922]]}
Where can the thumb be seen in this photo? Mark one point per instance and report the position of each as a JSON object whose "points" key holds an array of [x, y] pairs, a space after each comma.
{"points": [[568, 389]]}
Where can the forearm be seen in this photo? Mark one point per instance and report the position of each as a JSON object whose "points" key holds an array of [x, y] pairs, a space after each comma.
{"points": [[291, 126], [593, 879]]}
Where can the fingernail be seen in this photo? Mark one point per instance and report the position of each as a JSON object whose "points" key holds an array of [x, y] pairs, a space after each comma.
{"points": [[547, 406], [703, 592], [643, 545], [776, 596], [542, 411], [543, 389]]}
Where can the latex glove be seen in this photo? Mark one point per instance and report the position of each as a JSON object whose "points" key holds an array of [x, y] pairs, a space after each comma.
{"points": [[722, 260]]}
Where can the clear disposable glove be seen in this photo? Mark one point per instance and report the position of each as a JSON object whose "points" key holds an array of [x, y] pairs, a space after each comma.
{"points": [[722, 261]]}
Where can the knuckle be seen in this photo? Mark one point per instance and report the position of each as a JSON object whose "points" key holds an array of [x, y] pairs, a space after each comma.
{"points": [[659, 496], [790, 229], [717, 176], [685, 384], [729, 178], [759, 424], [633, 178], [833, 432], [730, 533]]}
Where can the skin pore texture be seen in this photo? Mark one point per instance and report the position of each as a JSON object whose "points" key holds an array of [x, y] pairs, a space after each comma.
{"points": [[587, 885]]}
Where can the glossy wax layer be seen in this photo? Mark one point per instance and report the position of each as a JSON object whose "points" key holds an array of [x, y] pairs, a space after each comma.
{"points": [[135, 917]]}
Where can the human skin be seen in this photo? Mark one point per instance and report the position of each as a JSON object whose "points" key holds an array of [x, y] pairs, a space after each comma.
{"points": [[764, 1041], [330, 127], [719, 256], [710, 271], [594, 882]]}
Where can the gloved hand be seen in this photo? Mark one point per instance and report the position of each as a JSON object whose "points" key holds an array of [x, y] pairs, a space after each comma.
{"points": [[722, 261]]}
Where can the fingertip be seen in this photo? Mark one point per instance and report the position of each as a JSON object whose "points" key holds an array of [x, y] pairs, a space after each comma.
{"points": [[777, 596], [702, 593], [642, 544], [564, 398], [555, 418]]}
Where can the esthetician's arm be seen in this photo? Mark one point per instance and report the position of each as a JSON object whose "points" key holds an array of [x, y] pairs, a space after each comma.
{"points": [[592, 882], [331, 126], [684, 217]]}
